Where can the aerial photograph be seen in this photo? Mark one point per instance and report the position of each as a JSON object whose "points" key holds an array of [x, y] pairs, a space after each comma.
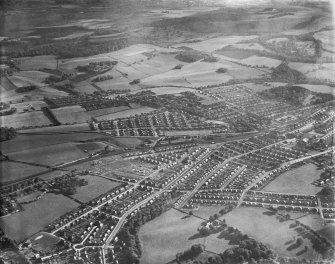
{"points": [[167, 132]]}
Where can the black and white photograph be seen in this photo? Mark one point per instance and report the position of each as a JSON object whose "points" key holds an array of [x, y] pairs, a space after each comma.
{"points": [[167, 132]]}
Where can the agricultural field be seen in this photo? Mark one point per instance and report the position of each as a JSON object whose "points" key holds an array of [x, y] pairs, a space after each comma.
{"points": [[315, 71], [96, 186], [25, 120], [171, 233], [327, 39], [256, 61], [297, 181], [37, 62], [214, 44], [84, 87], [50, 155], [123, 113], [319, 88], [71, 114], [36, 215], [171, 90], [260, 226], [191, 75], [11, 171]]}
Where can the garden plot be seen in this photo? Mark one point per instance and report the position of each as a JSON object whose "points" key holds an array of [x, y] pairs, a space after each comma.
{"points": [[37, 62], [25, 120], [213, 44]]}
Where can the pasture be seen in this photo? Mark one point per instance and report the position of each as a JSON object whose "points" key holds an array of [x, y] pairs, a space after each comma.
{"points": [[125, 113], [25, 120], [20, 226], [50, 155], [37, 62], [212, 44], [11, 171], [171, 233], [256, 61], [298, 181], [96, 186], [71, 114]]}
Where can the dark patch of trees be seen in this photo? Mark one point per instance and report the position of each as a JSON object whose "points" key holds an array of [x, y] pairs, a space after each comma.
{"points": [[193, 252], [7, 133], [284, 73]]}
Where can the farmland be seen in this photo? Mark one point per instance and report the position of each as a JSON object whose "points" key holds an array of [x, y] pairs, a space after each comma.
{"points": [[36, 216], [50, 155], [26, 120]]}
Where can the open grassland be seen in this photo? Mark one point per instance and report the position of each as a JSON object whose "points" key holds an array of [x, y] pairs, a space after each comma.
{"points": [[37, 62], [50, 155], [96, 186], [36, 215], [171, 233], [11, 171], [297, 181], [25, 120], [258, 224]]}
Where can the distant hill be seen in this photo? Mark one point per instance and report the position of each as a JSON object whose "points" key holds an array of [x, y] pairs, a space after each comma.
{"points": [[284, 73]]}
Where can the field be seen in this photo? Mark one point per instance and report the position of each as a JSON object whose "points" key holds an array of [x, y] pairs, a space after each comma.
{"points": [[37, 62], [190, 75], [71, 114], [107, 111], [36, 215], [296, 181], [171, 233], [11, 171], [24, 120], [96, 186], [170, 90], [257, 61], [315, 71], [319, 88], [84, 87], [44, 241], [50, 155], [125, 113], [260, 226], [327, 39], [213, 44], [47, 136]]}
